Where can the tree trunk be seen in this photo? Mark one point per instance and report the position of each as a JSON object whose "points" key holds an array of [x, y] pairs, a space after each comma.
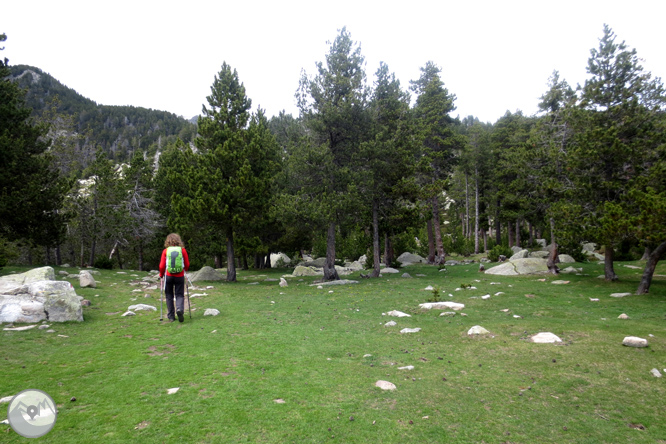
{"points": [[485, 241], [231, 260], [47, 254], [553, 260], [120, 262], [81, 261], [441, 256], [552, 231], [330, 273], [609, 271], [509, 234], [375, 240], [388, 250], [466, 206], [431, 244], [646, 254], [218, 260], [476, 212], [518, 232], [140, 254], [245, 267], [531, 230], [646, 279], [58, 257], [498, 226], [93, 246]]}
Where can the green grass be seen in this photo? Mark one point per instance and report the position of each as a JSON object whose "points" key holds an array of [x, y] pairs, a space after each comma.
{"points": [[307, 348]]}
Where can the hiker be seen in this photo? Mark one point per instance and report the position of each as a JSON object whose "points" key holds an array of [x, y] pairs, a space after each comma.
{"points": [[174, 263]]}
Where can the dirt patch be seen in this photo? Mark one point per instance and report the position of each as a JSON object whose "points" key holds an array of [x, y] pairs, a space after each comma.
{"points": [[142, 425]]}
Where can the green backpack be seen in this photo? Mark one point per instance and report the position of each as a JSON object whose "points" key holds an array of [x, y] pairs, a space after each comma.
{"points": [[174, 260]]}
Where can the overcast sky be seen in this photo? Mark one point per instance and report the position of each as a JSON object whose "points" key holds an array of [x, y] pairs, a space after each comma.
{"points": [[495, 55]]}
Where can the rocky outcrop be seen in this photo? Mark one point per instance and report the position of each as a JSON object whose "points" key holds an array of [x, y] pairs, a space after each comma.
{"points": [[36, 296], [519, 267]]}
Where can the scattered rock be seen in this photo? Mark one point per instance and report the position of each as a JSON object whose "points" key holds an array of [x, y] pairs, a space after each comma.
{"points": [[429, 288], [206, 274], [594, 299], [6, 399], [171, 391], [566, 259], [390, 324], [448, 313], [520, 254], [633, 267], [545, 338], [410, 330], [407, 367], [389, 270], [442, 305], [485, 297], [338, 282], [283, 282], [211, 312], [655, 373], [539, 254], [619, 295], [279, 401], [406, 275], [139, 307], [27, 327], [410, 258], [44, 327], [477, 330], [129, 313], [385, 385], [398, 314], [623, 316], [560, 282], [634, 341]]}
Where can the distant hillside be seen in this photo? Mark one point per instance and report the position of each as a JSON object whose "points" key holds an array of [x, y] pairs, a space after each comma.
{"points": [[119, 130]]}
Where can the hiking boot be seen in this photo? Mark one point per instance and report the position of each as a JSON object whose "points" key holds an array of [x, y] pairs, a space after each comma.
{"points": [[181, 318]]}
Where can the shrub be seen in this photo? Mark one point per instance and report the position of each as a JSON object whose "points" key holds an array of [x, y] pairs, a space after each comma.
{"points": [[497, 251], [103, 263]]}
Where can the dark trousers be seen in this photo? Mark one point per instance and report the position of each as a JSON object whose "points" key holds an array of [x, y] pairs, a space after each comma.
{"points": [[175, 286]]}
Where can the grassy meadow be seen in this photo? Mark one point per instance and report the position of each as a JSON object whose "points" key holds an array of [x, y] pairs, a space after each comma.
{"points": [[299, 364]]}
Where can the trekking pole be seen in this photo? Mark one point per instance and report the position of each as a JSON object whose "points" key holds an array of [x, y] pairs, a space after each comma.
{"points": [[187, 278], [161, 297]]}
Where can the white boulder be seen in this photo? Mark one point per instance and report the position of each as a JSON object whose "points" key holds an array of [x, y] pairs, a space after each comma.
{"points": [[635, 341], [545, 338], [477, 330]]}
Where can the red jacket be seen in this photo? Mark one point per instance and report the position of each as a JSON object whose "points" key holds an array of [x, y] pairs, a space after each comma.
{"points": [[186, 263]]}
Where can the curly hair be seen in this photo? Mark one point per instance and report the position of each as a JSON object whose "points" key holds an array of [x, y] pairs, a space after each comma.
{"points": [[173, 240]]}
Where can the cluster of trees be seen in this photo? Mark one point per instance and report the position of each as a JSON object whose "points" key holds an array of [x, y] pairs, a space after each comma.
{"points": [[363, 166]]}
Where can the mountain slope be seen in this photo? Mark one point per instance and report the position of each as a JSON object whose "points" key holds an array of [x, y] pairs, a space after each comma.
{"points": [[118, 130]]}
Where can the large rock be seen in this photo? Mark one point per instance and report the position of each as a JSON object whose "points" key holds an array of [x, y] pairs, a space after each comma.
{"points": [[35, 296], [319, 262], [477, 330], [522, 254], [86, 279], [566, 259], [206, 274], [542, 243], [520, 267], [539, 254], [516, 249], [589, 248], [275, 257], [634, 341], [410, 258]]}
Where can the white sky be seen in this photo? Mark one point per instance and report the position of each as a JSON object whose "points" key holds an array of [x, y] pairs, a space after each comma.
{"points": [[495, 55]]}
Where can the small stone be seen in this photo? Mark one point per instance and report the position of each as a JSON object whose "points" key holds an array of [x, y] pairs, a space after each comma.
{"points": [[367, 356], [141, 307], [44, 326], [390, 324], [406, 275], [429, 288], [26, 327], [171, 391], [410, 330], [73, 399], [6, 399], [634, 341], [281, 401], [655, 373], [477, 330], [448, 313], [385, 385], [623, 316], [129, 313], [283, 282], [560, 282], [594, 299], [211, 312], [619, 295], [398, 314], [485, 297], [407, 367], [545, 338], [505, 310]]}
